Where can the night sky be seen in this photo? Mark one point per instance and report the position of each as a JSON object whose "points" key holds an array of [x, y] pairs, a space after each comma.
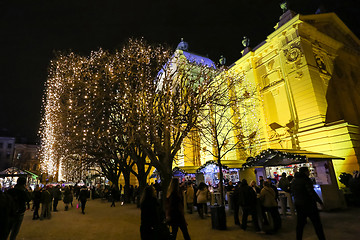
{"points": [[32, 30]]}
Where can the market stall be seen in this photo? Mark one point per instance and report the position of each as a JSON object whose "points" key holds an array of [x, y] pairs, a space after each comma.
{"points": [[273, 162], [9, 176], [183, 175]]}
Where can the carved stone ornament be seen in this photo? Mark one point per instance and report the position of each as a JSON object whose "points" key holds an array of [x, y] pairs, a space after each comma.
{"points": [[321, 64], [293, 54]]}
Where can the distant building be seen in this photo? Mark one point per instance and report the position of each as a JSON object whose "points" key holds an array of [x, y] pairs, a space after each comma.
{"points": [[7, 145], [26, 157]]}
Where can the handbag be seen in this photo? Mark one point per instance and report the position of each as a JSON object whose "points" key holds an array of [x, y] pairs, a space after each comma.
{"points": [[163, 232]]}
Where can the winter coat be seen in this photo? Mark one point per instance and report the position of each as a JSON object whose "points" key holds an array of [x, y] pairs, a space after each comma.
{"points": [[175, 209], [190, 194], [247, 196], [68, 197], [151, 213], [37, 197], [284, 184], [202, 195], [20, 196], [83, 194], [303, 191], [46, 197], [57, 193], [267, 197]]}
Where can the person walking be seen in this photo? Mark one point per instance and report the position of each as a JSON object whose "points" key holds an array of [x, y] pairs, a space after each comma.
{"points": [[305, 203], [20, 197], [202, 196], [190, 197], [83, 195], [175, 210], [236, 202], [67, 197], [113, 195], [45, 203], [57, 197], [247, 202], [36, 202], [152, 221], [268, 200]]}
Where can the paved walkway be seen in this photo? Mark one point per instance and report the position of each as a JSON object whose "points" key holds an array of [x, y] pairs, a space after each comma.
{"points": [[122, 222]]}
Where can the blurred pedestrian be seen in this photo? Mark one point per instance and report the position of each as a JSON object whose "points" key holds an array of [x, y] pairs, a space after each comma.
{"points": [[248, 205], [67, 197], [305, 203], [36, 202], [202, 196], [175, 210], [20, 198], [83, 195], [284, 184], [261, 182], [45, 203], [267, 197], [56, 196], [6, 212], [113, 196], [152, 219], [236, 202], [190, 197], [255, 187]]}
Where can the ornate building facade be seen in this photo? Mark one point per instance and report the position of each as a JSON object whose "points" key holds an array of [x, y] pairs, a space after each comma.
{"points": [[307, 81]]}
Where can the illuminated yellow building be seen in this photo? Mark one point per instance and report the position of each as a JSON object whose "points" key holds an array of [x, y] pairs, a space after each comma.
{"points": [[305, 74], [307, 80]]}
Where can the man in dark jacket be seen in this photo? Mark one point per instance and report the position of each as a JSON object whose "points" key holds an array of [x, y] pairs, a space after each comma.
{"points": [[36, 202], [57, 197], [305, 203], [20, 197], [6, 210], [248, 204], [46, 203]]}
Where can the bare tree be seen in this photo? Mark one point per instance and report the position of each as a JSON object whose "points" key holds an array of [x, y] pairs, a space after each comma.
{"points": [[222, 126]]}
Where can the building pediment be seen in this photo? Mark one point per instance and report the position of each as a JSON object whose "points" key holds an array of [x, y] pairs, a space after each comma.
{"points": [[329, 24]]}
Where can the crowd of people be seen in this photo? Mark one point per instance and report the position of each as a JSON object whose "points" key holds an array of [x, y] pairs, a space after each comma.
{"points": [[258, 200], [163, 215], [16, 200]]}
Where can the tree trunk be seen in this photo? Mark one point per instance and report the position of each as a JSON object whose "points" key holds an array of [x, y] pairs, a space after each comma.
{"points": [[221, 186], [165, 182], [126, 174]]}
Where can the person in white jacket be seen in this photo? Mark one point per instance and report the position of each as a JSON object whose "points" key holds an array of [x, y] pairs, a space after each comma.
{"points": [[202, 196]]}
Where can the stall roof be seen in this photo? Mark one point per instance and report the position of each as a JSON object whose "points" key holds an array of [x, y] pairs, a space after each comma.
{"points": [[189, 169], [284, 157], [12, 172], [310, 155]]}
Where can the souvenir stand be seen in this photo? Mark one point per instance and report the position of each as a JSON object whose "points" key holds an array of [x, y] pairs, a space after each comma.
{"points": [[209, 173], [273, 162], [182, 175], [9, 176]]}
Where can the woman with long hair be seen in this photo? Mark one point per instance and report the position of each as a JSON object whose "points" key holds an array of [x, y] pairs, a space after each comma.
{"points": [[175, 210], [152, 226], [202, 195]]}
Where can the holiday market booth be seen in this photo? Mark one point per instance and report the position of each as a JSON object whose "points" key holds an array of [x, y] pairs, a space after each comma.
{"points": [[9, 176], [184, 174], [209, 173], [271, 163]]}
